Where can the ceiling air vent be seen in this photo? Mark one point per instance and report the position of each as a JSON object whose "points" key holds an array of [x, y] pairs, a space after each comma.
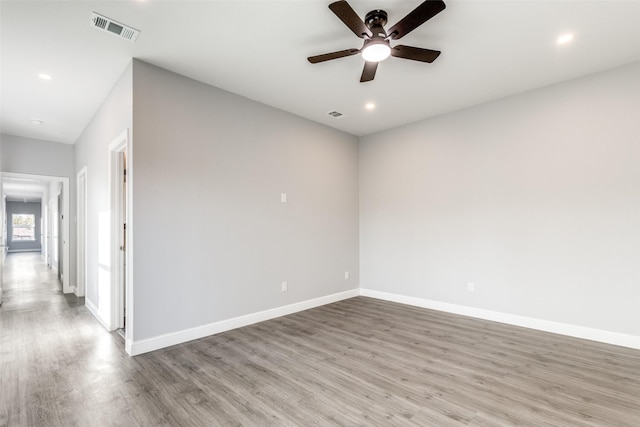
{"points": [[335, 114], [109, 25]]}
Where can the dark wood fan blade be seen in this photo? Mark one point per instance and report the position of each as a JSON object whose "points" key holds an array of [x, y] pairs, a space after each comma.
{"points": [[415, 18], [415, 53], [332, 55], [369, 71], [350, 18]]}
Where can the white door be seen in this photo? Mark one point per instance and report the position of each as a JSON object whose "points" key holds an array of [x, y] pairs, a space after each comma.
{"points": [[50, 235], [122, 238], [60, 240], [45, 231], [54, 232], [82, 232], [3, 238], [119, 242]]}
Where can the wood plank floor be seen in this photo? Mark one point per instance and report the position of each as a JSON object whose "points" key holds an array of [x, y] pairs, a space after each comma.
{"points": [[356, 362]]}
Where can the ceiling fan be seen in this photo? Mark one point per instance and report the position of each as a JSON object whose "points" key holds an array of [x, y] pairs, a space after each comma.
{"points": [[376, 46]]}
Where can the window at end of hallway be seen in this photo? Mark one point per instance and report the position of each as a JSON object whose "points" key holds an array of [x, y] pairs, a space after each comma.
{"points": [[24, 227]]}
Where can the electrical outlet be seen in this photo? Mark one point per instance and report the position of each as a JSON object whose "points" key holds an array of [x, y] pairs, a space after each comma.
{"points": [[285, 287], [346, 275], [283, 197], [471, 287]]}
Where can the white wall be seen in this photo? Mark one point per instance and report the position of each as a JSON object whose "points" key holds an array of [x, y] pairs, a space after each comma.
{"points": [[535, 198], [212, 240], [111, 119]]}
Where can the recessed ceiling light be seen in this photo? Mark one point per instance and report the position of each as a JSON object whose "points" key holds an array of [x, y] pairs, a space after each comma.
{"points": [[565, 38], [44, 76], [370, 106], [36, 122]]}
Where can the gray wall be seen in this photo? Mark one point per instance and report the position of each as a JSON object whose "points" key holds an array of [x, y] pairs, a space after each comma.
{"points": [[212, 240], [535, 198], [24, 208], [92, 152], [37, 157]]}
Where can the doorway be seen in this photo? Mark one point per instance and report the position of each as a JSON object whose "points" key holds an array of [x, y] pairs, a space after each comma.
{"points": [[58, 198], [121, 254], [120, 214]]}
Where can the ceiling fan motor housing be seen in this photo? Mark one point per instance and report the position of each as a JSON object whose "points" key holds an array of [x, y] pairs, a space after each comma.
{"points": [[375, 21]]}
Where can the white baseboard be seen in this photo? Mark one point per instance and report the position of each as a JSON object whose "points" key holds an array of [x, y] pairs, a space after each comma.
{"points": [[150, 344], [128, 346], [599, 335], [94, 310]]}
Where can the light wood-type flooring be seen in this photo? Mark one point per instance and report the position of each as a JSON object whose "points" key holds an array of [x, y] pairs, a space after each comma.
{"points": [[357, 362]]}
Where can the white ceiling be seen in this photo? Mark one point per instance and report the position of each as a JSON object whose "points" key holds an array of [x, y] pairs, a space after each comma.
{"points": [[24, 189], [258, 49]]}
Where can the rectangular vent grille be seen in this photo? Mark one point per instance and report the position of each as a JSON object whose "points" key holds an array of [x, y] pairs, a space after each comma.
{"points": [[109, 25], [100, 22], [335, 114]]}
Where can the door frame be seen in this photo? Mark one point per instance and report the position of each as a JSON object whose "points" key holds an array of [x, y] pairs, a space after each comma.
{"points": [[65, 235], [120, 298], [81, 232]]}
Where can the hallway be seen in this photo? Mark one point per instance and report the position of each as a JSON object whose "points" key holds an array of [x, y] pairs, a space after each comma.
{"points": [[29, 285], [50, 348]]}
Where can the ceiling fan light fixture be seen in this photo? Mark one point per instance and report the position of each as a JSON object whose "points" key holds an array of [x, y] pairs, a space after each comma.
{"points": [[376, 51]]}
